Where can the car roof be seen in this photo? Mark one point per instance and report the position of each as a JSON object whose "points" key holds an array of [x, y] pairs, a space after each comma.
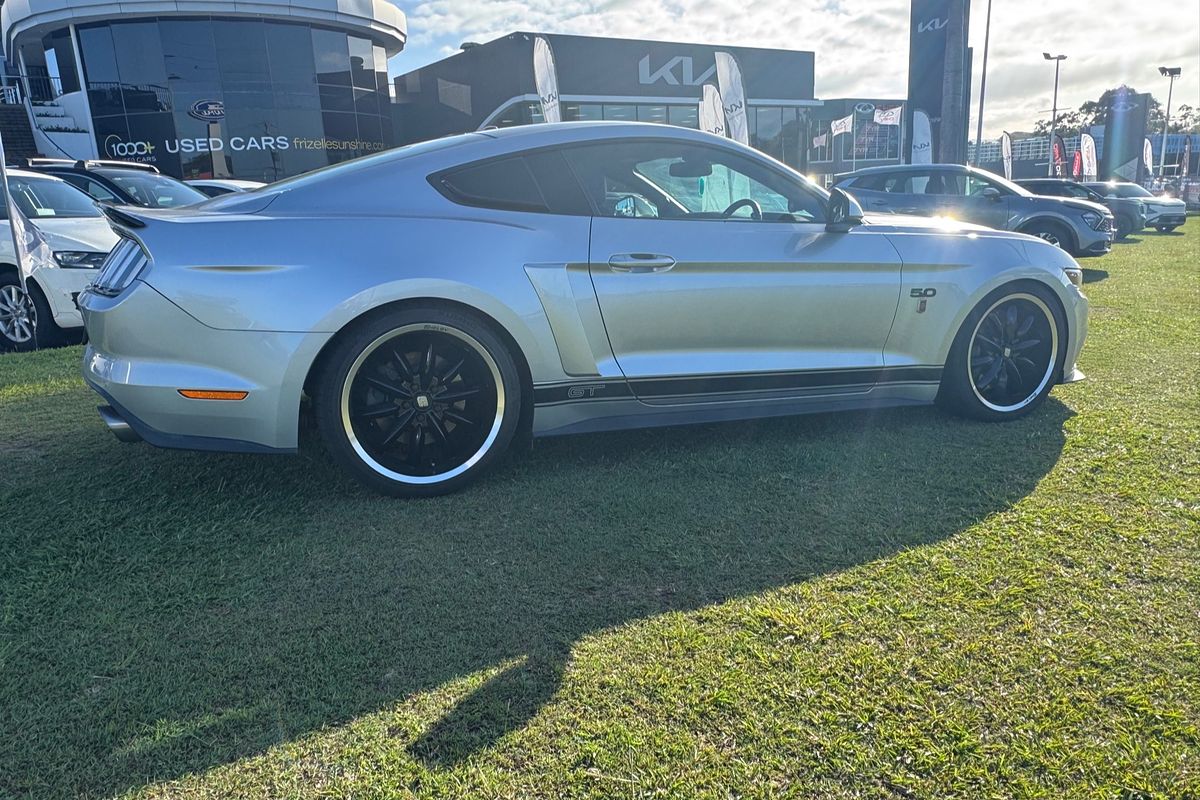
{"points": [[29, 173], [901, 168]]}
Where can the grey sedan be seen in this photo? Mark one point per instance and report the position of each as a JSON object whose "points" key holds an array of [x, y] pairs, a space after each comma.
{"points": [[1080, 227], [435, 303]]}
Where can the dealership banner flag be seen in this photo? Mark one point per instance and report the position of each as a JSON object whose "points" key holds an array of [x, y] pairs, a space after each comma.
{"points": [[819, 141], [888, 116], [922, 139], [843, 125], [1006, 153], [1185, 163], [1087, 146], [1058, 150], [733, 95], [1148, 155], [28, 245], [545, 79], [1077, 165], [712, 112]]}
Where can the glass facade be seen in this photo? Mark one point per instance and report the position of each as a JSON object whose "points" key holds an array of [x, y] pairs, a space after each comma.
{"points": [[206, 97], [777, 131]]}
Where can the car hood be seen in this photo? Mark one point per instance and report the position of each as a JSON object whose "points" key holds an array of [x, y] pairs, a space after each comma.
{"points": [[905, 222], [1076, 203], [1164, 202], [91, 234]]}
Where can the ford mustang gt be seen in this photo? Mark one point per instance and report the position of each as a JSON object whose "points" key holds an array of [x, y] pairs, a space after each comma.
{"points": [[434, 302]]}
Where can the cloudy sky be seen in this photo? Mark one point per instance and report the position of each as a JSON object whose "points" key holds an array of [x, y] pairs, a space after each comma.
{"points": [[861, 46]]}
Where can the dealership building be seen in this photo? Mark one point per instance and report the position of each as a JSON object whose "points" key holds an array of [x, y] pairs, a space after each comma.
{"points": [[257, 90], [264, 90], [598, 78]]}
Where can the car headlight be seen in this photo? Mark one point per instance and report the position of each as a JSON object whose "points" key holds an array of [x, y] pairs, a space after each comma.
{"points": [[79, 259], [1074, 275], [1092, 219]]}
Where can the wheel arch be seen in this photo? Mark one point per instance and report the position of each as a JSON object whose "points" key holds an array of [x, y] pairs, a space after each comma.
{"points": [[1058, 222], [320, 362]]}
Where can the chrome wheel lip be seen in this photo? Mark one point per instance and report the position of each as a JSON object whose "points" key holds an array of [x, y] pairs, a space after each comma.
{"points": [[1037, 301], [18, 316], [422, 480]]}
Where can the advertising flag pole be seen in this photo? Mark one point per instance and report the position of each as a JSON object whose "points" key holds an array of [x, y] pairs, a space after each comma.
{"points": [[853, 141], [12, 223]]}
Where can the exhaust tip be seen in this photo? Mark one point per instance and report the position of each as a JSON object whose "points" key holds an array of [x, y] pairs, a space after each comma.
{"points": [[117, 424]]}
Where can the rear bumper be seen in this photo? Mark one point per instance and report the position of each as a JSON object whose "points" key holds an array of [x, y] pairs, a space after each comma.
{"points": [[142, 349]]}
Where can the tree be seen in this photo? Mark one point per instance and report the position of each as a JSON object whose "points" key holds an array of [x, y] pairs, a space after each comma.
{"points": [[1184, 118]]}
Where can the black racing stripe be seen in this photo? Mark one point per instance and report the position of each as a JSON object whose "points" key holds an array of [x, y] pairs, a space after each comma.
{"points": [[583, 391]]}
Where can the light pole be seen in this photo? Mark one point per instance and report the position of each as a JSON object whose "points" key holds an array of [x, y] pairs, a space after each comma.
{"points": [[1053, 112], [1172, 73], [987, 35]]}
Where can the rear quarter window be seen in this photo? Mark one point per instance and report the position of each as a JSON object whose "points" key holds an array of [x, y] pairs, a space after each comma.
{"points": [[505, 183]]}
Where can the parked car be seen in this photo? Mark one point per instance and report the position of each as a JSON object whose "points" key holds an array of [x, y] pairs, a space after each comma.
{"points": [[215, 187], [1080, 227], [437, 301], [1164, 214], [1129, 212], [43, 312], [121, 182]]}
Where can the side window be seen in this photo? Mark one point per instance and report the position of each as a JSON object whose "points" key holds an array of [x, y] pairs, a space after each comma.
{"points": [[679, 180], [505, 183], [876, 182], [976, 184], [89, 186]]}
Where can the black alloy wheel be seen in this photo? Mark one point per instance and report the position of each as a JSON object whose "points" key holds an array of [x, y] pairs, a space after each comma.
{"points": [[414, 405]]}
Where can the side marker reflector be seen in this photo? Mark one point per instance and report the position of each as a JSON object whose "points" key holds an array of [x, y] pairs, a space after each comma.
{"points": [[211, 394]]}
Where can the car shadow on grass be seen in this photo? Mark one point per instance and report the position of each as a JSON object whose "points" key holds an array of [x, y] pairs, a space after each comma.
{"points": [[172, 612], [1094, 275]]}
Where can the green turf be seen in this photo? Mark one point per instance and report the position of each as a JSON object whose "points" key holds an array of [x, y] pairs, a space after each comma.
{"points": [[892, 605]]}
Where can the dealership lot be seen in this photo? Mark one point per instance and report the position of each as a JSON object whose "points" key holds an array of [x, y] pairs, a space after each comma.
{"points": [[890, 604]]}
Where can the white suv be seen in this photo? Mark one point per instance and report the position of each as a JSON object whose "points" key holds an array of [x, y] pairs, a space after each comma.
{"points": [[44, 312]]}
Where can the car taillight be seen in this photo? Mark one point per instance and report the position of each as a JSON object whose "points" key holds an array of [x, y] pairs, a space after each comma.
{"points": [[123, 264]]}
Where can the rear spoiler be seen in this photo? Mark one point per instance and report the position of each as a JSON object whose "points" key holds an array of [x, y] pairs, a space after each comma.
{"points": [[122, 217]]}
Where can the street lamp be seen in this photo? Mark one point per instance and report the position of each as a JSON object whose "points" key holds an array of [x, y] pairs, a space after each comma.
{"points": [[1172, 73], [1053, 112]]}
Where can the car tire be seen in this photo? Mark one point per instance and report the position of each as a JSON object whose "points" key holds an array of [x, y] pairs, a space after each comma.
{"points": [[1166, 228], [1052, 232], [26, 320], [1125, 226], [1007, 355], [418, 401]]}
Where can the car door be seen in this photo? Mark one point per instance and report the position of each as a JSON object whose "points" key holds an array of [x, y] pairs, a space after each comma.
{"points": [[715, 276], [970, 198], [901, 192]]}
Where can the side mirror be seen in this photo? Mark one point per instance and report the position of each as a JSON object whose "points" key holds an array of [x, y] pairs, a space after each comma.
{"points": [[843, 212], [991, 193]]}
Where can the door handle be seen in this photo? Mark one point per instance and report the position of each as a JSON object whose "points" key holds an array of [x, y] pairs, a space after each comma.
{"points": [[640, 262]]}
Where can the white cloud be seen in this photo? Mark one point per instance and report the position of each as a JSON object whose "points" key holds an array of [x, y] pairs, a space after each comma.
{"points": [[862, 48]]}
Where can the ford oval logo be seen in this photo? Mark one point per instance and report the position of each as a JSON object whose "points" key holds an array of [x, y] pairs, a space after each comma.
{"points": [[207, 110]]}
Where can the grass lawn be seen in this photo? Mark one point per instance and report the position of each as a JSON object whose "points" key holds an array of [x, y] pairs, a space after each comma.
{"points": [[894, 605]]}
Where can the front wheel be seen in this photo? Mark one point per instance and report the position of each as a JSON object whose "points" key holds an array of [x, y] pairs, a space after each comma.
{"points": [[1006, 355], [419, 401], [26, 320], [1166, 228], [1125, 226], [1050, 232]]}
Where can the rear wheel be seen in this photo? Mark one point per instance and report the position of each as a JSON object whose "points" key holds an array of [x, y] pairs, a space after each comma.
{"points": [[1006, 355], [419, 401]]}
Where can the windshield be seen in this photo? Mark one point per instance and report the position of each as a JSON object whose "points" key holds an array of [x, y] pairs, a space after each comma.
{"points": [[41, 198], [154, 191]]}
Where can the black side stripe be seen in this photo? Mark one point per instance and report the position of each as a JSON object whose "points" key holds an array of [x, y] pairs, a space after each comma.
{"points": [[609, 389]]}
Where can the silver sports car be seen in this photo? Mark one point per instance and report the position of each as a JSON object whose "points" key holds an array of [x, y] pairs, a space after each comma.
{"points": [[435, 302]]}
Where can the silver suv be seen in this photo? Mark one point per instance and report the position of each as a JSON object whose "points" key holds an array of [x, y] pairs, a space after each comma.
{"points": [[1080, 227]]}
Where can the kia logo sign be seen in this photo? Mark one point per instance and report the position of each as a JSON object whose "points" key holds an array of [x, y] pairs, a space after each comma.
{"points": [[864, 108], [931, 25], [686, 76], [207, 110]]}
